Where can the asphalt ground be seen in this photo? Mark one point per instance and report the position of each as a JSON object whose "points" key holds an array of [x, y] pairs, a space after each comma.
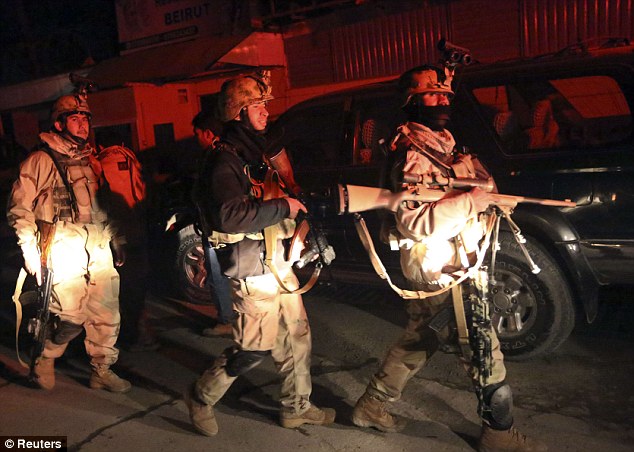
{"points": [[580, 398]]}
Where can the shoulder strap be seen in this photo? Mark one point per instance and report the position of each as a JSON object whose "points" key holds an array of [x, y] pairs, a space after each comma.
{"points": [[271, 233], [421, 148], [62, 175]]}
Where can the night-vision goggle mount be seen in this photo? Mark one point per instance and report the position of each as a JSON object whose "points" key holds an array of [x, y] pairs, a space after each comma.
{"points": [[82, 85]]}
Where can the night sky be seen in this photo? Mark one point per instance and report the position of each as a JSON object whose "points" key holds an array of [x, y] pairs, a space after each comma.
{"points": [[40, 38]]}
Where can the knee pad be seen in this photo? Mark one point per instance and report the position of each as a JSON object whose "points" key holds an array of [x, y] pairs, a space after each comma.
{"points": [[242, 361], [64, 332], [498, 401]]}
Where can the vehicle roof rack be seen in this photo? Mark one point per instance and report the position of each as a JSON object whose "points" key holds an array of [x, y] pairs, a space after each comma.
{"points": [[584, 47]]}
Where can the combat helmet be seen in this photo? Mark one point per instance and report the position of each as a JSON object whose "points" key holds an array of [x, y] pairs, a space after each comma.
{"points": [[424, 79], [241, 92], [70, 104]]}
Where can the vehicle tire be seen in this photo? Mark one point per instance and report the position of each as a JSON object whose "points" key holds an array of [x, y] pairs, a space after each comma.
{"points": [[190, 267], [533, 314]]}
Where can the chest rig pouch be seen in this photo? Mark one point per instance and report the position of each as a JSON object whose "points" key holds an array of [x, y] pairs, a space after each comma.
{"points": [[76, 200]]}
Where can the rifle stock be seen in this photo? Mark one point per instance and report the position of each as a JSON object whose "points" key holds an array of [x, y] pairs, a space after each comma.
{"points": [[39, 325]]}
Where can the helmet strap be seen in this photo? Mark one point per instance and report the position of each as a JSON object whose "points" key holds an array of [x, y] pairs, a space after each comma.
{"points": [[79, 141]]}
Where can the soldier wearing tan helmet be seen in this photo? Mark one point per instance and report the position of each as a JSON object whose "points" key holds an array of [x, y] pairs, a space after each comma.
{"points": [[58, 184], [437, 242], [270, 322]]}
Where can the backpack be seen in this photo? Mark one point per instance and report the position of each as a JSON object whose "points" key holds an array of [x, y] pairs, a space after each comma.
{"points": [[122, 170]]}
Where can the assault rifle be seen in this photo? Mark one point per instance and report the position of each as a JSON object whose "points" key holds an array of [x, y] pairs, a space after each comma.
{"points": [[356, 198], [39, 325], [473, 336], [315, 243]]}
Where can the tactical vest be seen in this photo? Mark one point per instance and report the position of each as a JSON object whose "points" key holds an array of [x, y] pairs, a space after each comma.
{"points": [[82, 206]]}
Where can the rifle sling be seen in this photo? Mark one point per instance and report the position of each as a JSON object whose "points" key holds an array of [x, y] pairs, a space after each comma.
{"points": [[272, 190], [445, 169], [379, 268], [62, 175], [461, 322], [18, 312]]}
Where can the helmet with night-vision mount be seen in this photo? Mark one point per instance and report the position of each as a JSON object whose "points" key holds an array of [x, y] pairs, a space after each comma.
{"points": [[424, 79], [70, 104], [241, 92]]}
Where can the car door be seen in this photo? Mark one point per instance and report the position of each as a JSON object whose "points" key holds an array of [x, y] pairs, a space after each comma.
{"points": [[315, 139], [564, 133]]}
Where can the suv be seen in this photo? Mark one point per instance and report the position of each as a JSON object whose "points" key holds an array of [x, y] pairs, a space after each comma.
{"points": [[557, 126]]}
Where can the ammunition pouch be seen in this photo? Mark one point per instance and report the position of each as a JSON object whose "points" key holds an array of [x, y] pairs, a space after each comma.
{"points": [[219, 239]]}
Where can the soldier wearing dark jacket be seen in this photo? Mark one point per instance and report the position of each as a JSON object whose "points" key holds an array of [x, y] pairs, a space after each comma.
{"points": [[271, 321]]}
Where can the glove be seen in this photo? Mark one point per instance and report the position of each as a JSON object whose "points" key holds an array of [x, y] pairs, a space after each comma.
{"points": [[481, 199], [32, 262], [118, 253]]}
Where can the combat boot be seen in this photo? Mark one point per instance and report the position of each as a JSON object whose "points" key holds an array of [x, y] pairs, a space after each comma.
{"points": [[313, 415], [492, 440], [44, 373], [221, 329], [104, 378], [371, 412], [201, 414]]}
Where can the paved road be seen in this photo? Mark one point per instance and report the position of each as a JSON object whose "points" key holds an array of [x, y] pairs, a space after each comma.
{"points": [[579, 399]]}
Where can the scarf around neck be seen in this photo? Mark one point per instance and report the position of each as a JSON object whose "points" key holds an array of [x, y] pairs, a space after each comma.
{"points": [[63, 146], [441, 141], [250, 146]]}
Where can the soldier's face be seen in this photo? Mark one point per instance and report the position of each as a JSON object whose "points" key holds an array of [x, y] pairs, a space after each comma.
{"points": [[78, 125], [435, 99], [206, 138], [258, 116]]}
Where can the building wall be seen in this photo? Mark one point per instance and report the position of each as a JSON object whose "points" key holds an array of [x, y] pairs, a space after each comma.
{"points": [[390, 43]]}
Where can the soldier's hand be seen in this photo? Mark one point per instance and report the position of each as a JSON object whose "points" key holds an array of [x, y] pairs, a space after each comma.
{"points": [[481, 199], [32, 263], [118, 254], [295, 206]]}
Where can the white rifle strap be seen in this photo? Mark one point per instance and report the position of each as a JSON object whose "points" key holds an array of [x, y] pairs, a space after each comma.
{"points": [[18, 312], [379, 268]]}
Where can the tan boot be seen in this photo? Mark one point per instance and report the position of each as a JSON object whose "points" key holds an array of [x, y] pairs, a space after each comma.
{"points": [[45, 373], [104, 378], [371, 412], [313, 415], [221, 329], [201, 414], [507, 440]]}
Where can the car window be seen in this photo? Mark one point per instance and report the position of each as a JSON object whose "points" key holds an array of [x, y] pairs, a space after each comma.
{"points": [[587, 112], [376, 121], [314, 136]]}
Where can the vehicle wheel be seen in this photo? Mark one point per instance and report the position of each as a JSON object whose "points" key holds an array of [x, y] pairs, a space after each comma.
{"points": [[190, 267], [532, 313]]}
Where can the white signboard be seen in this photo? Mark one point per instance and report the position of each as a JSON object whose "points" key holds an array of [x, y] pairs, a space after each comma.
{"points": [[148, 23]]}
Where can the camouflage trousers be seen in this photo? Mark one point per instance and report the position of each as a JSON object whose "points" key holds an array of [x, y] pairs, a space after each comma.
{"points": [[418, 344], [85, 290], [268, 320]]}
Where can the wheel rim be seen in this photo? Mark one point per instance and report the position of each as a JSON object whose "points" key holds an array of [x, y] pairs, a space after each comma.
{"points": [[194, 266], [513, 305]]}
